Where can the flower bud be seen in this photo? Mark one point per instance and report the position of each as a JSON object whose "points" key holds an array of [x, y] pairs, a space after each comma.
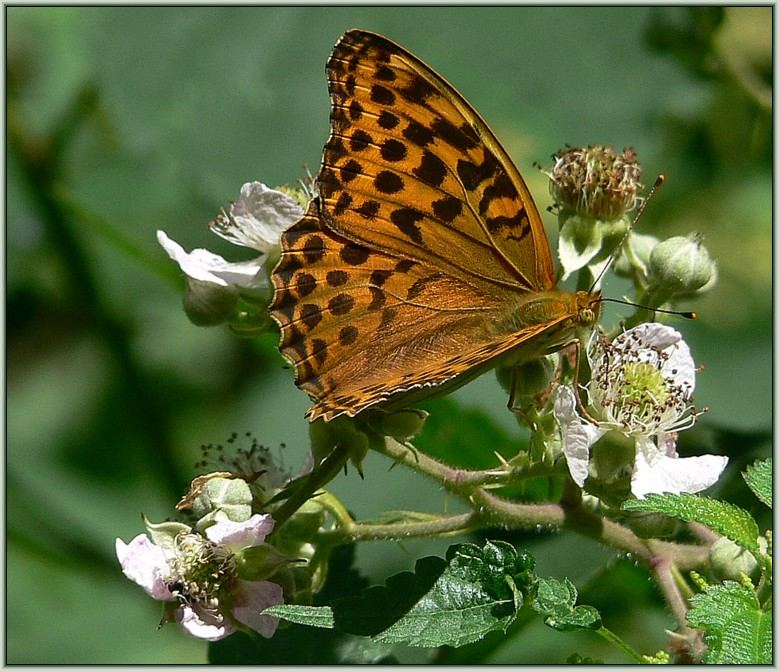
{"points": [[650, 525], [403, 424], [222, 499], [610, 468], [730, 560], [682, 266], [209, 304], [595, 181], [259, 562], [528, 379]]}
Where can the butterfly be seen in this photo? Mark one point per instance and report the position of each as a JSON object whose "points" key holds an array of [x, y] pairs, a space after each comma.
{"points": [[423, 260]]}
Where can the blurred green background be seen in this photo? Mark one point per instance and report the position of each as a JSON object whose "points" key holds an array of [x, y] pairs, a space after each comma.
{"points": [[125, 120]]}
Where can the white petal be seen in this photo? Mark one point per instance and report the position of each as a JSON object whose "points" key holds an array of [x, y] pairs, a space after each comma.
{"points": [[656, 473], [239, 535], [252, 597], [145, 564], [200, 264], [578, 436], [258, 218], [677, 366], [202, 624]]}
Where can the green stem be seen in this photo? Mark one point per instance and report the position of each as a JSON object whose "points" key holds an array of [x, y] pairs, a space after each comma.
{"points": [[442, 526], [615, 640], [318, 478]]}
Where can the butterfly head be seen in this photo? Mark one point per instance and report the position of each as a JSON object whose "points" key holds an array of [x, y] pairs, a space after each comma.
{"points": [[588, 307]]}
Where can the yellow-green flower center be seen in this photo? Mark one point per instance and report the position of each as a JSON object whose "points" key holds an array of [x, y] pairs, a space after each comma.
{"points": [[642, 386], [202, 569]]}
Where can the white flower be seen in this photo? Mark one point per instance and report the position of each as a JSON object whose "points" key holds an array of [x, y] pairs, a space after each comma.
{"points": [[256, 220], [641, 386], [200, 574]]}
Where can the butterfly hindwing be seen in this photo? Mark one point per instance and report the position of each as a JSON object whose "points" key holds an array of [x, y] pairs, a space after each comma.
{"points": [[359, 324]]}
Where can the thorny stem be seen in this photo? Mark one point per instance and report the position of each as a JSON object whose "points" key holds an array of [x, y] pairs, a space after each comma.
{"points": [[663, 558]]}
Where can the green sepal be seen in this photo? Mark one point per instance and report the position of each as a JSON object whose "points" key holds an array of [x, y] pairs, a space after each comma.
{"points": [[164, 534], [259, 562]]}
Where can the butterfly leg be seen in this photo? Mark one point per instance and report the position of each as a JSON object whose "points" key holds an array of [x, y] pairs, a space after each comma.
{"points": [[576, 387], [512, 402]]}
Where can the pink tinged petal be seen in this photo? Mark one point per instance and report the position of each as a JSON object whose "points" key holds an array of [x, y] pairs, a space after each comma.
{"points": [[203, 624], [145, 564], [258, 218], [239, 535], [578, 436], [252, 597], [656, 473], [200, 264]]}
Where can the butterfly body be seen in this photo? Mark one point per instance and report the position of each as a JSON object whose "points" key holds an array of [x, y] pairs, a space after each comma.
{"points": [[423, 261]]}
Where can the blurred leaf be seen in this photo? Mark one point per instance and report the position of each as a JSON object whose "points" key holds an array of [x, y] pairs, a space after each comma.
{"points": [[724, 518], [760, 478], [463, 437], [736, 629], [298, 645], [687, 34]]}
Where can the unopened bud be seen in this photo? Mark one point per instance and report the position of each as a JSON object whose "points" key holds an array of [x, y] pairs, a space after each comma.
{"points": [[403, 424], [259, 562], [222, 498], [209, 304], [682, 266], [730, 560]]}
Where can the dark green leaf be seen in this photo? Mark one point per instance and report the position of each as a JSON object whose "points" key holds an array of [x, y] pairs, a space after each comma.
{"points": [[736, 629], [760, 478], [477, 590], [377, 608], [554, 597], [581, 617], [724, 518], [556, 600]]}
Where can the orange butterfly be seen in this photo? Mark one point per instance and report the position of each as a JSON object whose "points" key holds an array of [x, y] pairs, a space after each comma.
{"points": [[423, 261]]}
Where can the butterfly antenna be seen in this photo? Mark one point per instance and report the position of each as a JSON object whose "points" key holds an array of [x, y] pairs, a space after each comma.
{"points": [[678, 313], [658, 183]]}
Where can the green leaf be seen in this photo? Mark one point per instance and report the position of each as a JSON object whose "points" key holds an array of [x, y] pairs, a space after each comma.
{"points": [[313, 616], [724, 518], [736, 629], [760, 478], [477, 590], [556, 600]]}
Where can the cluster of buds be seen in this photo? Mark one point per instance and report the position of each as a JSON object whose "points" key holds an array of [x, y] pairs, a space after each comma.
{"points": [[594, 189]]}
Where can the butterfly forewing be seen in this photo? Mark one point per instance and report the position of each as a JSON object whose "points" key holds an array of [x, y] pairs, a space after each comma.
{"points": [[408, 269], [411, 167]]}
